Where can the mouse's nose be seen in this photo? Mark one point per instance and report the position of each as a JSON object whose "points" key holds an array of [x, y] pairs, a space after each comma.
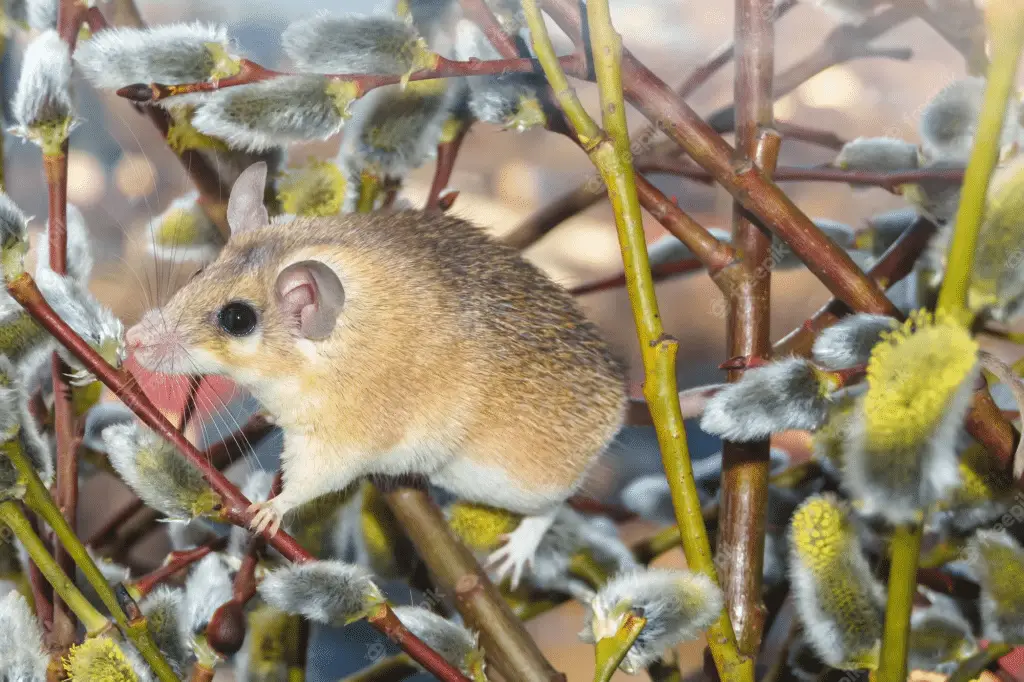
{"points": [[141, 333]]}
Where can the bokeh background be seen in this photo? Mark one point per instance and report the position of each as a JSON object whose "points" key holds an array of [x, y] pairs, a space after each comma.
{"points": [[122, 176]]}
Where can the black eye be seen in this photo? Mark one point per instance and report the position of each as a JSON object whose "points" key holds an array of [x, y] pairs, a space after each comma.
{"points": [[237, 318]]}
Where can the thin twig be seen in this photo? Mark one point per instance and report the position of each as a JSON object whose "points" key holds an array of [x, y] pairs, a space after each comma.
{"points": [[660, 272], [745, 466], [173, 564], [447, 152]]}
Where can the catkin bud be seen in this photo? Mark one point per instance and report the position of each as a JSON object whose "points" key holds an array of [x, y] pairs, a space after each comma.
{"points": [[901, 457], [263, 115], [997, 280], [155, 470], [884, 229], [510, 99], [999, 563], [42, 103], [453, 642], [395, 130], [678, 606], [950, 120], [356, 44], [208, 586], [163, 609], [835, 595], [185, 232], [22, 657], [877, 154], [328, 592], [169, 54], [848, 343], [13, 238], [940, 637], [982, 495], [41, 15], [782, 395], [79, 257]]}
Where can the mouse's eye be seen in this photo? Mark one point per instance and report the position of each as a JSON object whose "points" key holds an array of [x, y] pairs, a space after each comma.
{"points": [[237, 318]]}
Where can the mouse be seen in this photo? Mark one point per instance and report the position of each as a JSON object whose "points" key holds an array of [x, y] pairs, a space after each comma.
{"points": [[397, 343]]}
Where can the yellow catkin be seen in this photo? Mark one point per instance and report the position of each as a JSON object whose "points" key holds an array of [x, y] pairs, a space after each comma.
{"points": [[479, 526], [912, 375], [179, 227], [317, 189], [98, 660], [381, 531], [1004, 579]]}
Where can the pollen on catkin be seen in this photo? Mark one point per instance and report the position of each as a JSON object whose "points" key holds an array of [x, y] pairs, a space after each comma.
{"points": [[274, 112], [316, 189], [998, 560], [42, 102], [782, 395], [184, 232], [169, 54], [480, 527], [157, 472], [328, 592], [836, 597], [356, 44], [982, 495], [678, 605], [848, 343], [101, 659], [901, 457]]}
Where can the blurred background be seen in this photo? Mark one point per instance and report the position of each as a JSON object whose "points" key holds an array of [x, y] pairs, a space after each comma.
{"points": [[122, 176]]}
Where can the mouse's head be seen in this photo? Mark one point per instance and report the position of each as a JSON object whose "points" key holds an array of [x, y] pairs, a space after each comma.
{"points": [[254, 313]]}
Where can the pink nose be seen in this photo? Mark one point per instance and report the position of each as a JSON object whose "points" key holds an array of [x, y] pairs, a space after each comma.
{"points": [[146, 332]]}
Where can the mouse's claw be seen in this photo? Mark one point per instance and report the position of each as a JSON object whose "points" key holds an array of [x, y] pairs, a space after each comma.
{"points": [[80, 377], [520, 548], [265, 514]]}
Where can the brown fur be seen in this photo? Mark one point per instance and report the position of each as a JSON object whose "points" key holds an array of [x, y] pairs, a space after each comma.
{"points": [[445, 333]]}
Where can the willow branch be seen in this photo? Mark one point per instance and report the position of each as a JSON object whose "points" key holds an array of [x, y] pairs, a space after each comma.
{"points": [[745, 466], [891, 181], [973, 667], [251, 72], [843, 44], [173, 564], [38, 498], [906, 550], [447, 152], [775, 210], [1006, 26], [609, 651], [391, 669], [458, 575], [480, 14], [236, 507], [611, 155]]}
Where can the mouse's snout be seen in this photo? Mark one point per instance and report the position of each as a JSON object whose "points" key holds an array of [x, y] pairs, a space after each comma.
{"points": [[155, 344]]}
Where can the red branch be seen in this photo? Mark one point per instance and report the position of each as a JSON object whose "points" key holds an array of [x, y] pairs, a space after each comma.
{"points": [[174, 564]]}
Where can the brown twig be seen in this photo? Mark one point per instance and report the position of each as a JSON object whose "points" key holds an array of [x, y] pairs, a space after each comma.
{"points": [[480, 14], [895, 264], [888, 180], [251, 72], [843, 44], [659, 273], [554, 214], [458, 575], [188, 410], [236, 507], [745, 466], [822, 138], [447, 152], [174, 564]]}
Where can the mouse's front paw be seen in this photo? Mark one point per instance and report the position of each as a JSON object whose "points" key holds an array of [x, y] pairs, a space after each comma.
{"points": [[265, 514]]}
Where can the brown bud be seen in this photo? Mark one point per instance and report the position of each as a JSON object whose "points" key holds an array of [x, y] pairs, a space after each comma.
{"points": [[226, 631]]}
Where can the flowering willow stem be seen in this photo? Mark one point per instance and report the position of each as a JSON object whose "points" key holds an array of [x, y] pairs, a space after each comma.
{"points": [[610, 651], [1006, 29], [906, 550], [24, 290], [38, 498], [12, 517], [384, 619], [610, 154]]}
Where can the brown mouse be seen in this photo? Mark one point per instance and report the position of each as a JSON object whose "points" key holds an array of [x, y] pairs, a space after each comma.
{"points": [[398, 343]]}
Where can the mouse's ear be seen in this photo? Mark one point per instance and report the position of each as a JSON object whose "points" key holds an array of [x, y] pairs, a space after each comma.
{"points": [[245, 205], [311, 297]]}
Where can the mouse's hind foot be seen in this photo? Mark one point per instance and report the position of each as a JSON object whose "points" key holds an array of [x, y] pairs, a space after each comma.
{"points": [[265, 515], [519, 549]]}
